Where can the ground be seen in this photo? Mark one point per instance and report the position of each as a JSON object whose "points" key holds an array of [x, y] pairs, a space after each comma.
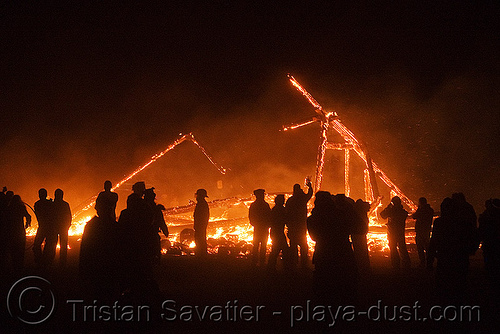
{"points": [[226, 294]]}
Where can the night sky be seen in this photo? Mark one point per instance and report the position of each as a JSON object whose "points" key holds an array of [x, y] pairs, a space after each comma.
{"points": [[90, 92]]}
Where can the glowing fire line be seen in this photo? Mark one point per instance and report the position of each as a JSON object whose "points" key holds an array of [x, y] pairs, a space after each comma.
{"points": [[78, 225], [155, 157], [304, 92]]}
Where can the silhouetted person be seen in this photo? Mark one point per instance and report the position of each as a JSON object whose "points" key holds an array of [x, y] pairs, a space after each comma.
{"points": [[134, 227], [278, 221], [335, 272], [106, 201], [44, 215], [358, 235], [201, 216], [451, 243], [396, 215], [18, 219], [4, 203], [99, 252], [296, 207], [61, 216], [423, 224], [158, 223], [259, 215], [468, 217], [489, 232], [345, 211]]}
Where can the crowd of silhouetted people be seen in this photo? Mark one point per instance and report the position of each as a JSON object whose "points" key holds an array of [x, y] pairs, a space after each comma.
{"points": [[14, 219], [54, 220], [337, 224], [122, 254], [125, 251]]}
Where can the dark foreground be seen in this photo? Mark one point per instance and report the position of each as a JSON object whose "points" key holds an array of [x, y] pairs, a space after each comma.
{"points": [[224, 295]]}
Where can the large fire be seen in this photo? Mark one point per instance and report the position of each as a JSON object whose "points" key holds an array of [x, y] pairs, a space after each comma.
{"points": [[229, 228]]}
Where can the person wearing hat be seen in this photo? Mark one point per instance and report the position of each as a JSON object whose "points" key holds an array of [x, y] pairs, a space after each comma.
{"points": [[201, 216], [396, 218], [259, 215]]}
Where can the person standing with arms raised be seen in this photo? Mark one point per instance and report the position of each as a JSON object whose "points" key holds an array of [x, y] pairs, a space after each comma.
{"points": [[296, 209]]}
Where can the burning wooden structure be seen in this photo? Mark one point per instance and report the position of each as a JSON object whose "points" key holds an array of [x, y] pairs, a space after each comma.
{"points": [[330, 120], [233, 234]]}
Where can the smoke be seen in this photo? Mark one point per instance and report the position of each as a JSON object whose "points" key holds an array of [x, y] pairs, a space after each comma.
{"points": [[85, 100], [431, 146]]}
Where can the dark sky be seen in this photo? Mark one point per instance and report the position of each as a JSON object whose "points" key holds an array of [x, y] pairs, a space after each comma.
{"points": [[90, 92]]}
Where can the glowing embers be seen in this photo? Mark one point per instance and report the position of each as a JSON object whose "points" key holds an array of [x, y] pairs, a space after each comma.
{"points": [[75, 229], [377, 242], [235, 240], [228, 231]]}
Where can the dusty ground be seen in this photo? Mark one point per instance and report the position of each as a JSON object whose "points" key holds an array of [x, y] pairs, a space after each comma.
{"points": [[193, 295]]}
